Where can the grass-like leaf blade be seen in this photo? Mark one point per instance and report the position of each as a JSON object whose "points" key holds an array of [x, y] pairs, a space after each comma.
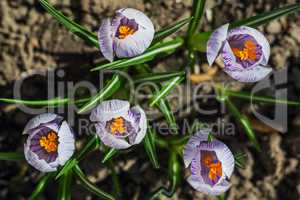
{"points": [[11, 156], [150, 147], [75, 28], [105, 93], [109, 155], [166, 89], [197, 13], [42, 184], [164, 47], [156, 77], [90, 186], [169, 30], [65, 187]]}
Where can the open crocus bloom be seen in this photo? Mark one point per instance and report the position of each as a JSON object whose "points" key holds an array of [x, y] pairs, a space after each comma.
{"points": [[118, 125], [128, 34], [245, 52], [211, 163], [50, 142]]}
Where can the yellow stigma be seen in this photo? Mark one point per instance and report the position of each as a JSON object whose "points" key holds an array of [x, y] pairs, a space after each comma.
{"points": [[124, 31], [49, 142], [117, 126], [215, 169], [247, 53]]}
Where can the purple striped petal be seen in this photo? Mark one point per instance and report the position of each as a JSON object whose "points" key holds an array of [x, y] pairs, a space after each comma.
{"points": [[215, 43], [190, 149], [38, 120], [207, 189], [105, 38], [249, 75], [66, 146], [110, 109], [140, 117]]}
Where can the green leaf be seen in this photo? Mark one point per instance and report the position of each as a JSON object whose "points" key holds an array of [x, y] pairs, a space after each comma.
{"points": [[165, 108], [77, 29], [174, 176], [39, 189], [153, 77], [243, 120], [164, 47], [266, 17], [90, 186], [65, 187], [12, 156], [93, 143], [150, 147], [221, 197], [67, 167], [167, 31], [261, 99], [197, 13], [50, 102], [240, 159], [199, 40], [113, 85], [109, 155], [166, 89], [115, 180]]}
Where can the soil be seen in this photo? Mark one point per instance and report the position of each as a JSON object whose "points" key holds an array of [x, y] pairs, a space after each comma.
{"points": [[32, 42]]}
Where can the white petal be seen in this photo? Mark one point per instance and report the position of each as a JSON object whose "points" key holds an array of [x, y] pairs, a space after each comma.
{"points": [[138, 16], [249, 75], [110, 109], [134, 44], [110, 140], [225, 156], [66, 146], [39, 119], [142, 124], [190, 149], [105, 38], [218, 189], [215, 43]]}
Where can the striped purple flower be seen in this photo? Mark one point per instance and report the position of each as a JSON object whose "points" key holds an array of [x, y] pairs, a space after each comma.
{"points": [[211, 163], [245, 52], [50, 142], [118, 125], [128, 34]]}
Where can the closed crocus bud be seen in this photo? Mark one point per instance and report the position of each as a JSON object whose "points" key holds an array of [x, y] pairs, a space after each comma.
{"points": [[50, 142], [118, 125], [211, 163], [128, 34], [245, 52]]}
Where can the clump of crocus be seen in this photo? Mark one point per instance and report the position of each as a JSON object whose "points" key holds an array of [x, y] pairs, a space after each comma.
{"points": [[245, 52], [128, 34], [50, 142], [118, 125], [211, 163]]}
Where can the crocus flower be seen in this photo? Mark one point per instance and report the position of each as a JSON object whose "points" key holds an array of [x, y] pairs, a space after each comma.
{"points": [[245, 52], [128, 34], [118, 125], [50, 142], [211, 163]]}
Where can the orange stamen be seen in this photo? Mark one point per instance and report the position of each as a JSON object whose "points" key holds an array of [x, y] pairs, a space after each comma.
{"points": [[49, 142], [247, 53], [215, 171], [117, 126], [124, 31]]}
